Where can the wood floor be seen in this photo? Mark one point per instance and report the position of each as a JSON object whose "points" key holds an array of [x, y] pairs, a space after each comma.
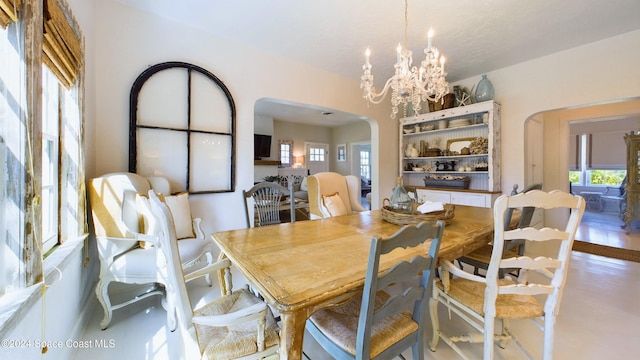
{"points": [[604, 228]]}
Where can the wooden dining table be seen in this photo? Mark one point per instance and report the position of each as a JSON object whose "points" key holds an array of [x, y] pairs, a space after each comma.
{"points": [[305, 266]]}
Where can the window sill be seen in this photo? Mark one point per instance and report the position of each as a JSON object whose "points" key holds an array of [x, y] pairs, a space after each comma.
{"points": [[16, 303]]}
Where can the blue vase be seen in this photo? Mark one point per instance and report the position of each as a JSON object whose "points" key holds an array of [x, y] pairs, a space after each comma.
{"points": [[484, 90]]}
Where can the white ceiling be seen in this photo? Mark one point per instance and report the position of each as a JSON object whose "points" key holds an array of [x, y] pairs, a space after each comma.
{"points": [[476, 36]]}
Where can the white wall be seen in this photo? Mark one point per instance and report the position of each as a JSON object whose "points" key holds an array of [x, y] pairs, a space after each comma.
{"points": [[356, 132], [602, 71], [300, 133]]}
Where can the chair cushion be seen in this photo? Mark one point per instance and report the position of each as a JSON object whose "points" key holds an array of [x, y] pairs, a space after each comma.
{"points": [[222, 343], [135, 263], [340, 325], [303, 184], [181, 212], [334, 204], [471, 293]]}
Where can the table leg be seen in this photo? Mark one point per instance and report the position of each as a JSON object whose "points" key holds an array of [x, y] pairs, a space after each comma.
{"points": [[292, 334]]}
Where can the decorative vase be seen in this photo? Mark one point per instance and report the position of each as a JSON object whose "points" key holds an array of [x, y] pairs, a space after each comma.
{"points": [[484, 90], [400, 201], [408, 151], [414, 151]]}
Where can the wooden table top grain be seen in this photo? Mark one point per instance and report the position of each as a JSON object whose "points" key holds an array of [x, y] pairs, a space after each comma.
{"points": [[304, 266]]}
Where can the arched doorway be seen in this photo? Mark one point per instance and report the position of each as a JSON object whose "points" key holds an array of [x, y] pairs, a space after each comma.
{"points": [[548, 149]]}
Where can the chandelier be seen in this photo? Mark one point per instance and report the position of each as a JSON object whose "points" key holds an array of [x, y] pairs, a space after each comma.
{"points": [[409, 84]]}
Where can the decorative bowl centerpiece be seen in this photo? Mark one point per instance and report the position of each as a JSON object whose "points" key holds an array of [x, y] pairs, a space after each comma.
{"points": [[417, 217]]}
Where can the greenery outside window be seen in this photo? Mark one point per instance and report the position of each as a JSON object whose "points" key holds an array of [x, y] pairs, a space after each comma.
{"points": [[597, 177], [607, 170]]}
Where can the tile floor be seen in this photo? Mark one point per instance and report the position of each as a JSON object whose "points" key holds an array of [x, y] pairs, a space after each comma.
{"points": [[599, 319]]}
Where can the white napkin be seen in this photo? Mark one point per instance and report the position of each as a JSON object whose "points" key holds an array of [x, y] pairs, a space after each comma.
{"points": [[431, 206]]}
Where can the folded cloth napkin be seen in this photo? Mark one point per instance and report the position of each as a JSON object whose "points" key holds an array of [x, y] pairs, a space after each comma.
{"points": [[431, 206]]}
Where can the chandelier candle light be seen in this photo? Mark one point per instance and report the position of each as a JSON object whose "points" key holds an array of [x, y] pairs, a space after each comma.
{"points": [[409, 84]]}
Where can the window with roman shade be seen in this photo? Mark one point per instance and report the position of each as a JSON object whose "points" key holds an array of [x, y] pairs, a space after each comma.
{"points": [[37, 33], [61, 47]]}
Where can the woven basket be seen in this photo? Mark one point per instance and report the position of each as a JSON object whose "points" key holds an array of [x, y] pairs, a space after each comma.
{"points": [[393, 217]]}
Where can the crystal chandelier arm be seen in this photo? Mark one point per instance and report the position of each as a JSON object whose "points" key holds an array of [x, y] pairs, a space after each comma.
{"points": [[373, 97]]}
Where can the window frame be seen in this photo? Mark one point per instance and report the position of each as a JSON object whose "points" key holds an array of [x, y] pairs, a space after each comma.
{"points": [[584, 171], [50, 176], [285, 153], [24, 97], [365, 164], [135, 127], [316, 154]]}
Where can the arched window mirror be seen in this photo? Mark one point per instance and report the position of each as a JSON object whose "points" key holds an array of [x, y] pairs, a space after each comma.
{"points": [[182, 127]]}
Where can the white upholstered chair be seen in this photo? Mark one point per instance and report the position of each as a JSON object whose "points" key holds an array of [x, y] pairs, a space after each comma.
{"points": [[237, 325], [389, 315], [333, 194], [121, 224], [480, 301]]}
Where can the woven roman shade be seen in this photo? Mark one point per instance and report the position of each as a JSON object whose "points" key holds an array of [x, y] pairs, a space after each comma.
{"points": [[8, 12], [62, 51]]}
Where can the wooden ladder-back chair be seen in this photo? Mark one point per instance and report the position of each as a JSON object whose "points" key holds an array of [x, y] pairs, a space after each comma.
{"points": [[378, 324], [480, 301], [237, 325], [479, 259]]}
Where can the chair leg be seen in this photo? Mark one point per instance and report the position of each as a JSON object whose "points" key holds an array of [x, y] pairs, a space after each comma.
{"points": [[102, 293], [506, 336], [224, 277], [435, 323], [489, 325], [549, 325], [209, 276], [418, 348], [172, 323]]}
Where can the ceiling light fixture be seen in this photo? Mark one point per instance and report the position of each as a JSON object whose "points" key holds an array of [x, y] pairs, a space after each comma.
{"points": [[409, 84]]}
